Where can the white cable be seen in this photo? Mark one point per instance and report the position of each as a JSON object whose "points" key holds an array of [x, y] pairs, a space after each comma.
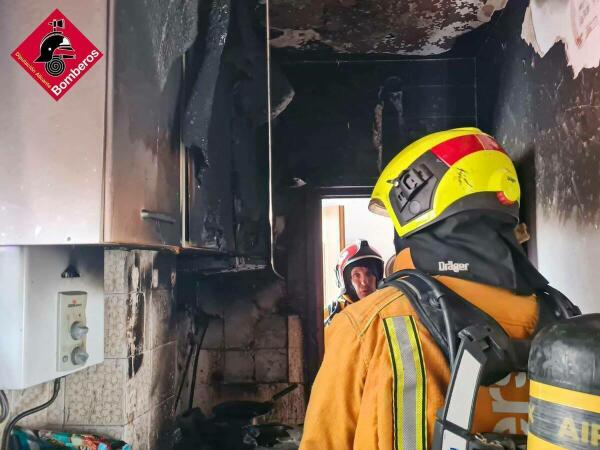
{"points": [[270, 140]]}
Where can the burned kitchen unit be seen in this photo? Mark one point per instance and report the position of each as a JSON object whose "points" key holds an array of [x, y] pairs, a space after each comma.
{"points": [[189, 255]]}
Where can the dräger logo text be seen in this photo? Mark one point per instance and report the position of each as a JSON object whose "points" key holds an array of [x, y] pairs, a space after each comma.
{"points": [[451, 266]]}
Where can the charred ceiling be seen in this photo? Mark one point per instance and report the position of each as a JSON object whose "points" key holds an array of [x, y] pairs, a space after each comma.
{"points": [[413, 27]]}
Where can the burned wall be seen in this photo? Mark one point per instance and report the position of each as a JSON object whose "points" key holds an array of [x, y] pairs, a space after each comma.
{"points": [[224, 130], [548, 120], [253, 346], [348, 119]]}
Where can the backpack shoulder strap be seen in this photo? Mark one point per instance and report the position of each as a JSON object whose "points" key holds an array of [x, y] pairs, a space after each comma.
{"points": [[449, 317], [422, 297], [553, 306], [444, 313]]}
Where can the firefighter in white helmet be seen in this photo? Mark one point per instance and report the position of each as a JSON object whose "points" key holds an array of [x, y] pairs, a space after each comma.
{"points": [[358, 271]]}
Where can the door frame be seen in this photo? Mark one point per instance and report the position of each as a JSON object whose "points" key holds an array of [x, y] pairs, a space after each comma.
{"points": [[315, 263]]}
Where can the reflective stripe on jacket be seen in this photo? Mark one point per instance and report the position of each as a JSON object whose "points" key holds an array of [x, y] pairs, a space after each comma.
{"points": [[383, 378]]}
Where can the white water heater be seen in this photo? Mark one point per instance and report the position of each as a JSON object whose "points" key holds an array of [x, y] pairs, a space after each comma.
{"points": [[51, 312]]}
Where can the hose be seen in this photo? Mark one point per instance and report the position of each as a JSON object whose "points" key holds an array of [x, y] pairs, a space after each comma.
{"points": [[195, 346], [9, 427], [449, 331], [195, 367], [188, 359]]}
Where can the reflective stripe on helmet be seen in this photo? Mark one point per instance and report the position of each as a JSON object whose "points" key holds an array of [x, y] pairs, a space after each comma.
{"points": [[459, 147]]}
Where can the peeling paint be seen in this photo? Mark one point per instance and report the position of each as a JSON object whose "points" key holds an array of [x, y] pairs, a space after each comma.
{"points": [[295, 38], [140, 280], [417, 27], [487, 10], [135, 333], [378, 134], [576, 23]]}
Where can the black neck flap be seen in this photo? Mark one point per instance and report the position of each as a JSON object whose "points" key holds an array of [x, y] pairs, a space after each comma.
{"points": [[477, 246]]}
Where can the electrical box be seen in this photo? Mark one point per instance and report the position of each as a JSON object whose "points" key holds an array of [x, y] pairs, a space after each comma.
{"points": [[51, 312]]}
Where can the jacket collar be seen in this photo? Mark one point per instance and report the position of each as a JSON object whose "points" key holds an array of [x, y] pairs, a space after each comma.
{"points": [[403, 260]]}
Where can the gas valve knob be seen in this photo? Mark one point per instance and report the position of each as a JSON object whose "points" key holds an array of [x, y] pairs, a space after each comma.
{"points": [[78, 330], [79, 356]]}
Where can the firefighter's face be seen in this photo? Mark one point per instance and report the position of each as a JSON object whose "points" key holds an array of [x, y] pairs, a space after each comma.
{"points": [[363, 281]]}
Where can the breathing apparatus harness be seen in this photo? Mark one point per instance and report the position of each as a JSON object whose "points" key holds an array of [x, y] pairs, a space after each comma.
{"points": [[478, 351]]}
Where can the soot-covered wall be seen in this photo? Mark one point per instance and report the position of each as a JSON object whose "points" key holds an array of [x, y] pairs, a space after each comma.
{"points": [[550, 122], [348, 119], [253, 346]]}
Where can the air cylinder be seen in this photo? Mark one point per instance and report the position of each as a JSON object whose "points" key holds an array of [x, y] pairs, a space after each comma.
{"points": [[564, 370]]}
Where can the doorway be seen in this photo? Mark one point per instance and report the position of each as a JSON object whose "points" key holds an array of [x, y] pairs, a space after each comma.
{"points": [[345, 220]]}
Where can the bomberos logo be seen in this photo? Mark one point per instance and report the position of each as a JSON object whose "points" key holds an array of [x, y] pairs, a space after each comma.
{"points": [[56, 54]]}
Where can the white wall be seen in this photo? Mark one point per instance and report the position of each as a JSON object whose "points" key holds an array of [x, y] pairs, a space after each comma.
{"points": [[569, 257]]}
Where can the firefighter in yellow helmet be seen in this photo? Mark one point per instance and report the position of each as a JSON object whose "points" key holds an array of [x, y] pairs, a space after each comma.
{"points": [[453, 197], [359, 269]]}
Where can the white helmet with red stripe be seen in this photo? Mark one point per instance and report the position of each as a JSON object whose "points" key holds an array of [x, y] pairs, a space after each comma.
{"points": [[357, 254]]}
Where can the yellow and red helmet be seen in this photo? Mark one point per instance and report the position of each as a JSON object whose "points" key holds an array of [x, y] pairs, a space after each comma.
{"points": [[445, 173]]}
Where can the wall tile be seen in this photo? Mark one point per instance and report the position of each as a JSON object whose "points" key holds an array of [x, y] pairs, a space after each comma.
{"points": [[295, 336], [137, 331], [215, 337], [51, 417], [145, 260], [268, 298], [204, 398], [132, 271], [165, 265], [290, 409], [95, 396], [211, 365], [164, 373], [209, 299], [296, 366], [136, 433], [115, 273], [115, 325], [162, 426], [137, 386], [271, 365], [239, 366], [240, 321], [271, 332], [162, 325]]}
